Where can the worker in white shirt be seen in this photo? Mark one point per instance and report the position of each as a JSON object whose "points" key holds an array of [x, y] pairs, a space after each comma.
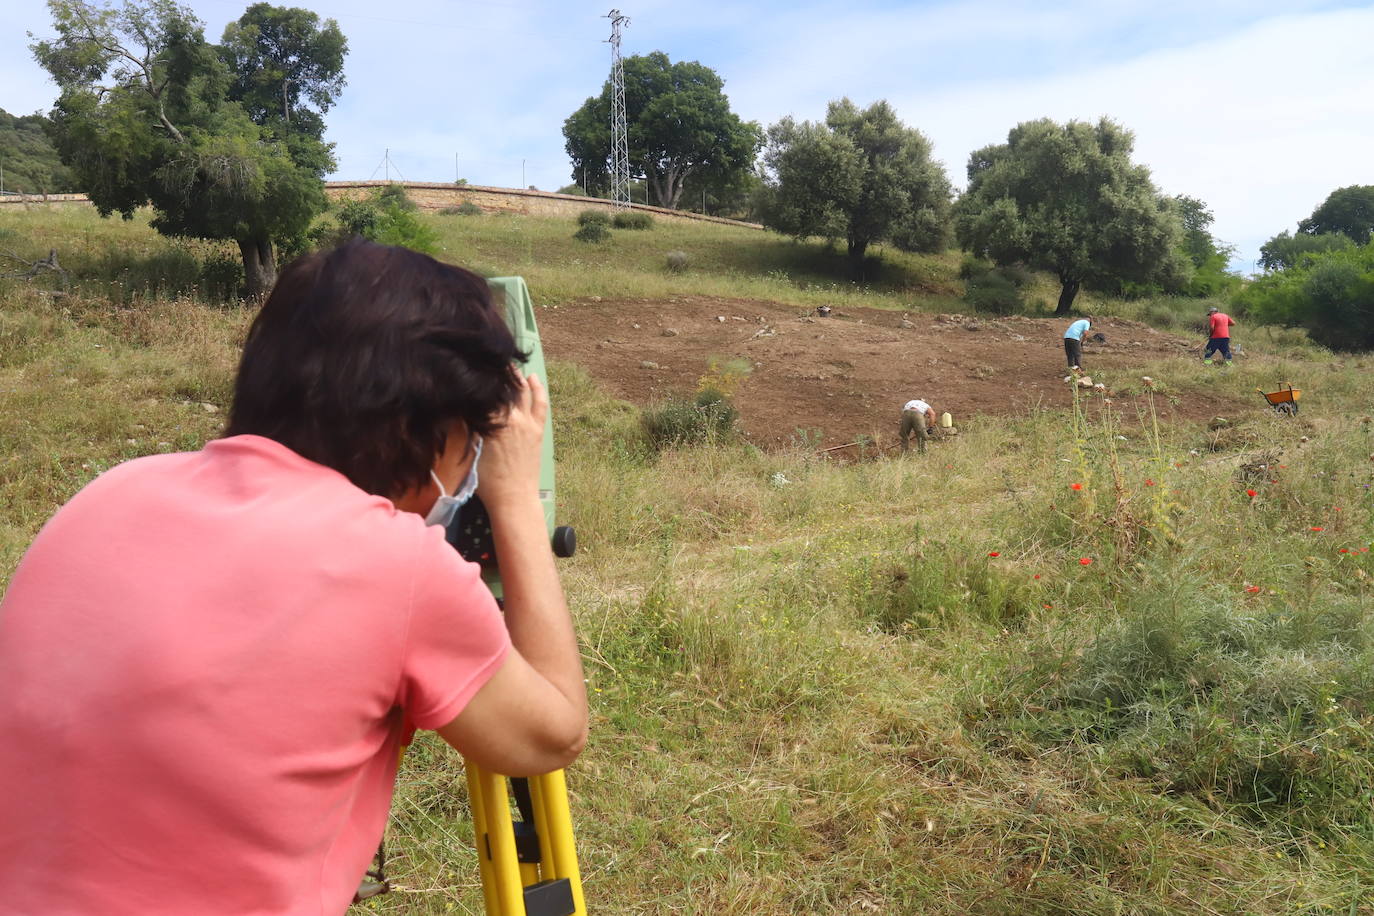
{"points": [[918, 417]]}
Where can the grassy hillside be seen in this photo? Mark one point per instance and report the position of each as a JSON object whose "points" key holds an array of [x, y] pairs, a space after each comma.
{"points": [[1065, 663]]}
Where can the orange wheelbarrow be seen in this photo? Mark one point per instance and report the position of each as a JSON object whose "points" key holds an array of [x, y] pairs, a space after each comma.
{"points": [[1284, 401]]}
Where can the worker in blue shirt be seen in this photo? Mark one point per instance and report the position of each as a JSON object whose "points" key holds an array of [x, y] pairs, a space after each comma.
{"points": [[1073, 341]]}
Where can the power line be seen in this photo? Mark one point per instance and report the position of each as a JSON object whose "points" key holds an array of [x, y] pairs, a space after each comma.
{"points": [[620, 143]]}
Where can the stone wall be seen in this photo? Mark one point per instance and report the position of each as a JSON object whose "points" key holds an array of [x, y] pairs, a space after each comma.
{"points": [[40, 200], [439, 195]]}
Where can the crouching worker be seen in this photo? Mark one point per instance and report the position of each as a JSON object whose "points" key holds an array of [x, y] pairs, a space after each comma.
{"points": [[918, 419], [209, 660]]}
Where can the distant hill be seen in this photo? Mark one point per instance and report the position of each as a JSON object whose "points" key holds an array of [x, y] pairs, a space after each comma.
{"points": [[28, 159]]}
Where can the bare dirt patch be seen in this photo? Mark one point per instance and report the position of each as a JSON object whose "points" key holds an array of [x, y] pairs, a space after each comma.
{"points": [[847, 375]]}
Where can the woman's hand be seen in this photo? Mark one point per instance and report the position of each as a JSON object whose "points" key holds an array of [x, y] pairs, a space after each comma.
{"points": [[511, 455]]}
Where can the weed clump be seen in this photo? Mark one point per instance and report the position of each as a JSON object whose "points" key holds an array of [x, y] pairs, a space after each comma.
{"points": [[677, 262], [595, 227], [633, 219], [707, 418], [466, 208], [593, 233]]}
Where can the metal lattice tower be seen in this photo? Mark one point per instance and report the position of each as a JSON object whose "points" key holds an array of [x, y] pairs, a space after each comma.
{"points": [[620, 142]]}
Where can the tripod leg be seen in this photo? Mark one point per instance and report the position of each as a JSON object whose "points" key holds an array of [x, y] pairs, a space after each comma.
{"points": [[561, 853], [496, 845]]}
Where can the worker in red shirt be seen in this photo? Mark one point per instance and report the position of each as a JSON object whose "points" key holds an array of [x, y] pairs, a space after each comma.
{"points": [[1218, 335]]}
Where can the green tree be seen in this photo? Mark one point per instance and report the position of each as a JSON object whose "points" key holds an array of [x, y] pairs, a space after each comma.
{"points": [[679, 125], [284, 62], [861, 176], [1349, 211], [1330, 293], [1067, 199], [1209, 256], [147, 115], [28, 160], [1286, 250]]}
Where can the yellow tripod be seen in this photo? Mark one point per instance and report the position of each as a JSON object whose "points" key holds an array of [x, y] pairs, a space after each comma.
{"points": [[528, 866]]}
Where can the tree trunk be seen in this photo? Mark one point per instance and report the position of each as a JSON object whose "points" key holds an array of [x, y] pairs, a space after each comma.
{"points": [[259, 266], [858, 248], [1067, 290]]}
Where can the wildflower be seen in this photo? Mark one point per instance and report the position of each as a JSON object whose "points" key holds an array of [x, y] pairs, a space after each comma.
{"points": [[1149, 482], [1316, 528], [1252, 589], [1085, 561], [1251, 493], [1036, 576], [1048, 607], [1344, 550], [994, 553], [1076, 486]]}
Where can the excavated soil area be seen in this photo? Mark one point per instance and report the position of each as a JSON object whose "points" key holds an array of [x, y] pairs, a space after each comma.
{"points": [[847, 375]]}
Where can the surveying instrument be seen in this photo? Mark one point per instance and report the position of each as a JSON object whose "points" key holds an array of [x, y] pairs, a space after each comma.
{"points": [[526, 856]]}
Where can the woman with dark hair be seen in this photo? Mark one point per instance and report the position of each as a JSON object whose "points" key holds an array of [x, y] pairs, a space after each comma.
{"points": [[209, 660]]}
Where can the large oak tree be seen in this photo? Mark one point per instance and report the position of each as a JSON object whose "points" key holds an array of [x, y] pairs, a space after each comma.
{"points": [[680, 126], [861, 176], [152, 114], [1066, 198]]}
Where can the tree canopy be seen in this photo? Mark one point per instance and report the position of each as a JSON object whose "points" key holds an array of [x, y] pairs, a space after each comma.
{"points": [[861, 176], [1287, 250], [28, 161], [1067, 199], [1330, 293], [151, 114], [680, 126], [1349, 211], [1209, 257]]}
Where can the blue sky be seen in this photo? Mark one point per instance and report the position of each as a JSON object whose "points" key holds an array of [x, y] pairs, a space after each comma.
{"points": [[1259, 108]]}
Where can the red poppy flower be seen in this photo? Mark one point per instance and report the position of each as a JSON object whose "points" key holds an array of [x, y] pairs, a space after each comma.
{"points": [[1344, 550], [1149, 482], [1251, 493], [1316, 528], [1048, 607], [1076, 486], [994, 553], [1252, 589], [1284, 466], [1085, 561], [1036, 576]]}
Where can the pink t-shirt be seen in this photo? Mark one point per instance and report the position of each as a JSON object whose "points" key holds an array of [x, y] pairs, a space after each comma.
{"points": [[207, 663]]}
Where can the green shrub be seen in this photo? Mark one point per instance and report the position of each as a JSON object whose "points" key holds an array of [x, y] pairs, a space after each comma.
{"points": [[466, 208], [593, 233], [677, 262], [994, 293], [394, 195], [594, 218], [633, 219], [972, 266], [709, 417], [388, 216]]}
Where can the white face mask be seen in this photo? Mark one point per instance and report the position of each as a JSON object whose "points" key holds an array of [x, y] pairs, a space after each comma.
{"points": [[446, 507]]}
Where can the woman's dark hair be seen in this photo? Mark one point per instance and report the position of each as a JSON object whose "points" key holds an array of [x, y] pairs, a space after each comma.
{"points": [[363, 357]]}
